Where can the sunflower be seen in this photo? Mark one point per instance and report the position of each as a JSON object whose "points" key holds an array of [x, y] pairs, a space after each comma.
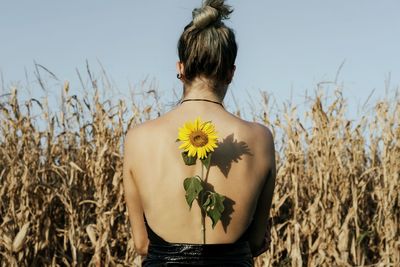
{"points": [[199, 138]]}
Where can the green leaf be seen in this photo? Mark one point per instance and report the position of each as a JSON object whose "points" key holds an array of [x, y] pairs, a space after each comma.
{"points": [[214, 207], [207, 202], [193, 186], [207, 161], [188, 160]]}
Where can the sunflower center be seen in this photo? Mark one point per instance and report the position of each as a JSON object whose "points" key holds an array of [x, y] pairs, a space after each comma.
{"points": [[198, 138]]}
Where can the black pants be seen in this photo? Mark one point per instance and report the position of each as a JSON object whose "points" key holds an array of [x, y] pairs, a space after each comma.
{"points": [[181, 254]]}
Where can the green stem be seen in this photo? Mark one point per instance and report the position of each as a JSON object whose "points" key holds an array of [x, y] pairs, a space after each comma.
{"points": [[202, 171], [208, 169], [203, 223], [203, 216], [203, 212]]}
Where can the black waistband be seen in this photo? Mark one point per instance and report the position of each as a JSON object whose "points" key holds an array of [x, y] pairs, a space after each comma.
{"points": [[175, 254]]}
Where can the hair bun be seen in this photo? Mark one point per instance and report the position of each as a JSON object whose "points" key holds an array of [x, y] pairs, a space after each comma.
{"points": [[212, 11]]}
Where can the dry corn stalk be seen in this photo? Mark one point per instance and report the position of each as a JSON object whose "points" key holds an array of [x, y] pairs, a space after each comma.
{"points": [[19, 240], [336, 202]]}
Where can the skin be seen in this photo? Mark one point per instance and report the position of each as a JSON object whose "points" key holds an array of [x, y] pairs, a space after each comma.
{"points": [[153, 173]]}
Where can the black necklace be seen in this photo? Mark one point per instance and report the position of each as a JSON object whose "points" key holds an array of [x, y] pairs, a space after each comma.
{"points": [[201, 99]]}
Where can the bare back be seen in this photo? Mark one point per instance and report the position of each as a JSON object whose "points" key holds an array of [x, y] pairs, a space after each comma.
{"points": [[238, 171]]}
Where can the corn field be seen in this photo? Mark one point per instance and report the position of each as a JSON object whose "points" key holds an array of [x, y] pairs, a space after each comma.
{"points": [[336, 202]]}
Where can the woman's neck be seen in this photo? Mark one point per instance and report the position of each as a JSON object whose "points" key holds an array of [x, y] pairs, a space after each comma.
{"points": [[201, 89]]}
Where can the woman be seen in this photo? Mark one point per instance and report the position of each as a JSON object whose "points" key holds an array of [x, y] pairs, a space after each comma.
{"points": [[242, 169]]}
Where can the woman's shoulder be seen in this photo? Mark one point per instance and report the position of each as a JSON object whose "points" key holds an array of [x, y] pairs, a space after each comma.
{"points": [[147, 130], [146, 126], [257, 136], [256, 131]]}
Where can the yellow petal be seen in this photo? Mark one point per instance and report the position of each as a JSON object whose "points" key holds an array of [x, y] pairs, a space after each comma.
{"points": [[205, 126], [183, 146], [197, 124], [204, 152], [192, 151], [199, 154]]}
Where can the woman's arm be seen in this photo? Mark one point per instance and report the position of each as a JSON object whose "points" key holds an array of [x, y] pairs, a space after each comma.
{"points": [[132, 197], [260, 231]]}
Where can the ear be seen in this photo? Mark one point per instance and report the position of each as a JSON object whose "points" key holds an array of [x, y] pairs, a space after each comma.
{"points": [[180, 68], [231, 74]]}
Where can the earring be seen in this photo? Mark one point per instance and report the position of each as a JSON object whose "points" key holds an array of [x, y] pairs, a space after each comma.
{"points": [[179, 76]]}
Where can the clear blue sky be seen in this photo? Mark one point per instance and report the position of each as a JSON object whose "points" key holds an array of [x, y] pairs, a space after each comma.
{"points": [[284, 46]]}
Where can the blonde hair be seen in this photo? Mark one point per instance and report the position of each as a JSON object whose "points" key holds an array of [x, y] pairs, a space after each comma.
{"points": [[207, 46]]}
